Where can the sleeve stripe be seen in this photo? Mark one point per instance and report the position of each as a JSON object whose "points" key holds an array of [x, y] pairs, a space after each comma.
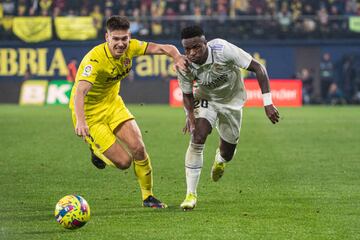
{"points": [[147, 44], [86, 81], [248, 64]]}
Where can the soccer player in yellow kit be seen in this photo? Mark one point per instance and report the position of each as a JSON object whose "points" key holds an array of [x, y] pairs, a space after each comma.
{"points": [[99, 113]]}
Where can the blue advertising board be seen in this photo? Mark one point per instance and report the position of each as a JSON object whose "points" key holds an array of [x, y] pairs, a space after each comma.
{"points": [[49, 60]]}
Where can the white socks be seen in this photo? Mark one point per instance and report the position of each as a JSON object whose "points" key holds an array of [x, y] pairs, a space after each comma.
{"points": [[219, 158], [193, 165]]}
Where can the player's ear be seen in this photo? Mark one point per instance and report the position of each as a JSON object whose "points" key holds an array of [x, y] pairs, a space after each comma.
{"points": [[106, 36], [204, 39]]}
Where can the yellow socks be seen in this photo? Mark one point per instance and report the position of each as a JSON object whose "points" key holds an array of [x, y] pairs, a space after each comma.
{"points": [[143, 172]]}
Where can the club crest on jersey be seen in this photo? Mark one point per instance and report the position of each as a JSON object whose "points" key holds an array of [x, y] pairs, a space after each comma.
{"points": [[87, 71], [126, 62]]}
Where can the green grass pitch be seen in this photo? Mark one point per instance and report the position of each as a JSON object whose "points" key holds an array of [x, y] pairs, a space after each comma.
{"points": [[299, 179]]}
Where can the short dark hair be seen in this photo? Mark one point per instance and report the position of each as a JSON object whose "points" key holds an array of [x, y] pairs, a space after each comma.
{"points": [[117, 23], [192, 31]]}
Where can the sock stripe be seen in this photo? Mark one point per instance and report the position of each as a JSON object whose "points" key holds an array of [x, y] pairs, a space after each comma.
{"points": [[193, 167]]}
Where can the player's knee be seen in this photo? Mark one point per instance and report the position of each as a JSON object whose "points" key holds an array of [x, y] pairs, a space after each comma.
{"points": [[122, 161], [199, 137], [123, 165], [139, 152]]}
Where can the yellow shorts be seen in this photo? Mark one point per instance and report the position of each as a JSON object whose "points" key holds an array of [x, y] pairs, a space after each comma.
{"points": [[102, 124]]}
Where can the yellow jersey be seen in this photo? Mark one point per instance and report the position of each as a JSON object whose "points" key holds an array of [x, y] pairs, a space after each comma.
{"points": [[104, 72]]}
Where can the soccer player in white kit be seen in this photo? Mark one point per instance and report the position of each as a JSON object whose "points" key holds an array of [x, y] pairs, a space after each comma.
{"points": [[217, 101]]}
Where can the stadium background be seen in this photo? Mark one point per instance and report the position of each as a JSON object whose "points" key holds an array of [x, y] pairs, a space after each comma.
{"points": [[298, 179], [40, 38]]}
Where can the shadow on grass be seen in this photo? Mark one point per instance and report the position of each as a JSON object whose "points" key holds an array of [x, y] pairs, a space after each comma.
{"points": [[141, 211], [29, 218], [52, 231]]}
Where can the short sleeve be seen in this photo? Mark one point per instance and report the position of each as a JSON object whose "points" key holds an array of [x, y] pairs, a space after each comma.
{"points": [[237, 55], [137, 47], [88, 69], [185, 82]]}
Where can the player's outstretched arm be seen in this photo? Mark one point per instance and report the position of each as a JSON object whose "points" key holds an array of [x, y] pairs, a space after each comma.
{"points": [[169, 50], [261, 74], [188, 100], [81, 128]]}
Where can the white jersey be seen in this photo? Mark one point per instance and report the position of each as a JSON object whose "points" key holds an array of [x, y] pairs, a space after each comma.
{"points": [[219, 78]]}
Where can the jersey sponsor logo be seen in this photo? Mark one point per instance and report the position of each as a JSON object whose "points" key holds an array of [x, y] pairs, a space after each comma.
{"points": [[218, 68], [87, 71], [126, 62], [119, 76], [222, 79]]}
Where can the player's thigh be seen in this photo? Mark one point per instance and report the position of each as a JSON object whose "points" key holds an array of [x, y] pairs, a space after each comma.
{"points": [[118, 155], [229, 124], [118, 114], [206, 116], [202, 130], [130, 134], [101, 136]]}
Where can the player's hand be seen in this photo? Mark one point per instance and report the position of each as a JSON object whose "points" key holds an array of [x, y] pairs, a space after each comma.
{"points": [[181, 63], [190, 124], [272, 113], [82, 130]]}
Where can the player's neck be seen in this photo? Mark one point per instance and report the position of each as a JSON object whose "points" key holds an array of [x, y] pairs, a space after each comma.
{"points": [[114, 56]]}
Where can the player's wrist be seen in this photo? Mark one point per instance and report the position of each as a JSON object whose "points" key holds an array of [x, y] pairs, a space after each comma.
{"points": [[81, 122], [177, 56], [267, 99], [190, 115], [188, 111]]}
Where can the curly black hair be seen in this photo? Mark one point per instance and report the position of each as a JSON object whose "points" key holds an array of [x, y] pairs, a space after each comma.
{"points": [[192, 31]]}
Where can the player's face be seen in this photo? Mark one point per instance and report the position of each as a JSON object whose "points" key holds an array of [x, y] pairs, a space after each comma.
{"points": [[118, 41], [195, 49]]}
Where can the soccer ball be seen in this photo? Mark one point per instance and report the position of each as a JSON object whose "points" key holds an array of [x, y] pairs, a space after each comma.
{"points": [[72, 212]]}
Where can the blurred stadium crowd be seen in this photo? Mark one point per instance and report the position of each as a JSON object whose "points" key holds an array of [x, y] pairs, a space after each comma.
{"points": [[334, 81], [242, 19], [339, 81]]}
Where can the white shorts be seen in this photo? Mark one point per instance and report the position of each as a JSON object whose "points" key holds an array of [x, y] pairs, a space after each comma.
{"points": [[226, 117]]}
